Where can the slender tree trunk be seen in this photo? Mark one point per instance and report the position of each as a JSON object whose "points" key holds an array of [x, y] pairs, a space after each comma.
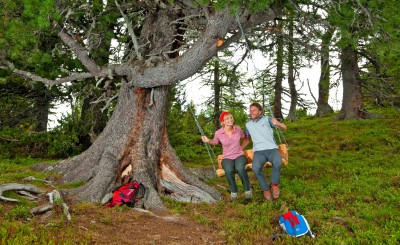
{"points": [[93, 117], [352, 105], [292, 86], [217, 93], [278, 81], [42, 118], [323, 107]]}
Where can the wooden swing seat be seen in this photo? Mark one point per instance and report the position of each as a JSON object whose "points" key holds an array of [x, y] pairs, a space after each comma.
{"points": [[249, 155]]}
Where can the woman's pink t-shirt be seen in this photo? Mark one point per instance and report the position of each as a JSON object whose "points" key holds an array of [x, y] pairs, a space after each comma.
{"points": [[231, 148]]}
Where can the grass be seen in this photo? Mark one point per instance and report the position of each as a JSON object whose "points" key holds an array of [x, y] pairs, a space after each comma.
{"points": [[343, 176]]}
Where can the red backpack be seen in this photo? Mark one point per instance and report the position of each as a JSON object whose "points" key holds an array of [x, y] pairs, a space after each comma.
{"points": [[127, 194]]}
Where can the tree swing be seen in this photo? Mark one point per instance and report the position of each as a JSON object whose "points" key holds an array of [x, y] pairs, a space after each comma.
{"points": [[220, 172], [282, 146]]}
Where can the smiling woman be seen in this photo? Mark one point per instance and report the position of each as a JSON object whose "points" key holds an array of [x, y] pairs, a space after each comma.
{"points": [[234, 160]]}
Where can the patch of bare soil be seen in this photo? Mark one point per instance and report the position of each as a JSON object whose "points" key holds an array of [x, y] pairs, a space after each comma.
{"points": [[130, 226]]}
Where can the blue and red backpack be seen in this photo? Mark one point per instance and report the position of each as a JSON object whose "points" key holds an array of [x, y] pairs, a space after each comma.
{"points": [[295, 224], [127, 194]]}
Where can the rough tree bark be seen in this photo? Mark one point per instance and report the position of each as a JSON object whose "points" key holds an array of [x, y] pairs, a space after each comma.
{"points": [[134, 144], [352, 104]]}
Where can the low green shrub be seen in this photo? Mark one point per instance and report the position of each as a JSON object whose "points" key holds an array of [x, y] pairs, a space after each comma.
{"points": [[22, 143], [20, 212]]}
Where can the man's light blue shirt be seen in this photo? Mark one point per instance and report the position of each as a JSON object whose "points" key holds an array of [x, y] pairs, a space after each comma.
{"points": [[261, 133]]}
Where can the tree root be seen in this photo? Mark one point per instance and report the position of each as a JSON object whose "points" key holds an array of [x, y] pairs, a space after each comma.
{"points": [[55, 198], [17, 187], [31, 178], [25, 191]]}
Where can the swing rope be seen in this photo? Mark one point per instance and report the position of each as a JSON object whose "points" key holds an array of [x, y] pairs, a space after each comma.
{"points": [[243, 35], [208, 147], [278, 131]]}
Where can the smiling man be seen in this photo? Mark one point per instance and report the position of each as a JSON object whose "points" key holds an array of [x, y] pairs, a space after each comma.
{"points": [[260, 130]]}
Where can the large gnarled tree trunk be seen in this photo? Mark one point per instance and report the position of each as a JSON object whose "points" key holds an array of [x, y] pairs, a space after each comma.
{"points": [[135, 139]]}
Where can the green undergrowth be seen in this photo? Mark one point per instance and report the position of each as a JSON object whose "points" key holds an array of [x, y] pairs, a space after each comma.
{"points": [[343, 176], [16, 169]]}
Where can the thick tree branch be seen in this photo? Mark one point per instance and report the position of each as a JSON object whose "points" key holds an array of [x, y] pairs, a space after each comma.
{"points": [[80, 52], [204, 49]]}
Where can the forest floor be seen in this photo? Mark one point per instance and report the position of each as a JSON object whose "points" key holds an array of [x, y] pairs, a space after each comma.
{"points": [[95, 224], [111, 226]]}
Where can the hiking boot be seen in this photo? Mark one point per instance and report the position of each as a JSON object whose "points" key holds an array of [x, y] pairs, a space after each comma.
{"points": [[233, 196], [267, 195], [275, 191], [247, 195]]}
